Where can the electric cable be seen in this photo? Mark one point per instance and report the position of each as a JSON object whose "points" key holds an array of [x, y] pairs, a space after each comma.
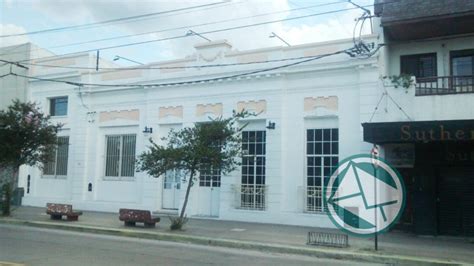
{"points": [[164, 67], [99, 23], [206, 32], [181, 82]]}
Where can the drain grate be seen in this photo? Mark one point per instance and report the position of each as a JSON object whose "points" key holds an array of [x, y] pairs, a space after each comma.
{"points": [[328, 239]]}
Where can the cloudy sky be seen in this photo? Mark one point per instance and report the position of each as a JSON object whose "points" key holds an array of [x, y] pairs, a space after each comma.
{"points": [[20, 16]]}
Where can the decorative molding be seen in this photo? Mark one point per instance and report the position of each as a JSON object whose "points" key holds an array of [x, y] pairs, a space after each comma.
{"points": [[321, 106], [170, 111], [209, 109], [252, 106], [175, 67], [208, 57], [252, 58], [123, 74], [133, 115], [320, 51]]}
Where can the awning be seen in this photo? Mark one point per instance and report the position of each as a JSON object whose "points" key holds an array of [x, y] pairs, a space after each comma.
{"points": [[419, 131]]}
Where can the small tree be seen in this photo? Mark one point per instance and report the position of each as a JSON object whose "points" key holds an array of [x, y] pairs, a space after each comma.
{"points": [[211, 145], [27, 137]]}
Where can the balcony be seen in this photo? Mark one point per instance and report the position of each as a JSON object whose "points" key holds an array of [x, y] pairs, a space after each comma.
{"points": [[414, 19], [250, 197], [444, 85]]}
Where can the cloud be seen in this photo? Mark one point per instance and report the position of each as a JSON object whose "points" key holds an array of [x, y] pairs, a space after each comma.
{"points": [[336, 26], [6, 29]]}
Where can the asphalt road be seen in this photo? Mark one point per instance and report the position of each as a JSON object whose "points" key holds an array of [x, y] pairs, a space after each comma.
{"points": [[34, 246]]}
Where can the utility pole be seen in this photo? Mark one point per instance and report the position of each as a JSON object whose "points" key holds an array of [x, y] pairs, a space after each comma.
{"points": [[375, 156], [97, 61]]}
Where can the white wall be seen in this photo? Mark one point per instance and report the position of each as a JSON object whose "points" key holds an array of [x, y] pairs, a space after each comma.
{"points": [[440, 107], [353, 81]]}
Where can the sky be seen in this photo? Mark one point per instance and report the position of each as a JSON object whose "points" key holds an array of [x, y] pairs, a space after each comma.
{"points": [[20, 16]]}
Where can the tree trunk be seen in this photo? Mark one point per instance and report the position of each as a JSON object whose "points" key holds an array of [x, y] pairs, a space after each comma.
{"points": [[188, 189]]}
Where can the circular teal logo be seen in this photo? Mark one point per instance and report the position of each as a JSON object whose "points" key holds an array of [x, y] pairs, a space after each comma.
{"points": [[364, 195]]}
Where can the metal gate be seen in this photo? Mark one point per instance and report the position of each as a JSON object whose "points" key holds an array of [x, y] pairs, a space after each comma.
{"points": [[456, 201]]}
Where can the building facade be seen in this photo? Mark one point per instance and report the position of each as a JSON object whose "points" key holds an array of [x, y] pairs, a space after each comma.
{"points": [[315, 107], [431, 145], [311, 115]]}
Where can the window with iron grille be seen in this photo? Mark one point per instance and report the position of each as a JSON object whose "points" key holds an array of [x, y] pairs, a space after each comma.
{"points": [[120, 156], [253, 170], [322, 149], [58, 106], [57, 167], [209, 177]]}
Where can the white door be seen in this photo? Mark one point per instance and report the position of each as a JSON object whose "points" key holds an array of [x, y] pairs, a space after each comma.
{"points": [[172, 179], [171, 189], [209, 193]]}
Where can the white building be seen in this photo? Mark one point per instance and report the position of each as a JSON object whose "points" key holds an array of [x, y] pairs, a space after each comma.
{"points": [[323, 110], [317, 108]]}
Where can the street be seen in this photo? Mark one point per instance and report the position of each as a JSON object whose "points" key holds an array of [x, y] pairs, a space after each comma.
{"points": [[33, 246]]}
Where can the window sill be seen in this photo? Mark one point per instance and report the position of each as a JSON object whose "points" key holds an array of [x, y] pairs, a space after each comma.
{"points": [[255, 210], [315, 212], [116, 178], [60, 177], [58, 116]]}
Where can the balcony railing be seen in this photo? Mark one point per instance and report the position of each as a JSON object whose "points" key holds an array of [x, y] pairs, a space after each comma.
{"points": [[444, 85], [250, 197]]}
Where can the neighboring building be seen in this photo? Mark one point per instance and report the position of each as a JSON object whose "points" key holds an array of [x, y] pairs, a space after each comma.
{"points": [[12, 86], [317, 108], [433, 41]]}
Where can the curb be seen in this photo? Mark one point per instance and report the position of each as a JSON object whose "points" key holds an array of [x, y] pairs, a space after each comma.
{"points": [[275, 248]]}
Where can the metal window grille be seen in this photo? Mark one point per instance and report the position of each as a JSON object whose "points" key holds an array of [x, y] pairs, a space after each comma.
{"points": [[252, 191], [321, 160], [252, 197], [209, 177], [120, 156], [58, 166]]}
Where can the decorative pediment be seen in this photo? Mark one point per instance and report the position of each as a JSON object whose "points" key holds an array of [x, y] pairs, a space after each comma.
{"points": [[257, 107], [170, 111], [321, 106], [130, 115], [213, 110]]}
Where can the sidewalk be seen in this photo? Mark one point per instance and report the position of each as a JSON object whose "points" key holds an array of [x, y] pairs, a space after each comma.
{"points": [[260, 236]]}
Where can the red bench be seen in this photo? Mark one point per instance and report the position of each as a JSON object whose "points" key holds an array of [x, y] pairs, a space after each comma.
{"points": [[130, 217], [57, 211]]}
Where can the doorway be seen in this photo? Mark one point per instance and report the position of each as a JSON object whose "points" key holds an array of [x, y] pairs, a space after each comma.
{"points": [[455, 201], [171, 190], [462, 70], [209, 192]]}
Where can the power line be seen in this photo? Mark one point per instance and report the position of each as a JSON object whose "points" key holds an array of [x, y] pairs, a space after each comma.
{"points": [[152, 85], [170, 67], [184, 27], [193, 26], [205, 32], [111, 21]]}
